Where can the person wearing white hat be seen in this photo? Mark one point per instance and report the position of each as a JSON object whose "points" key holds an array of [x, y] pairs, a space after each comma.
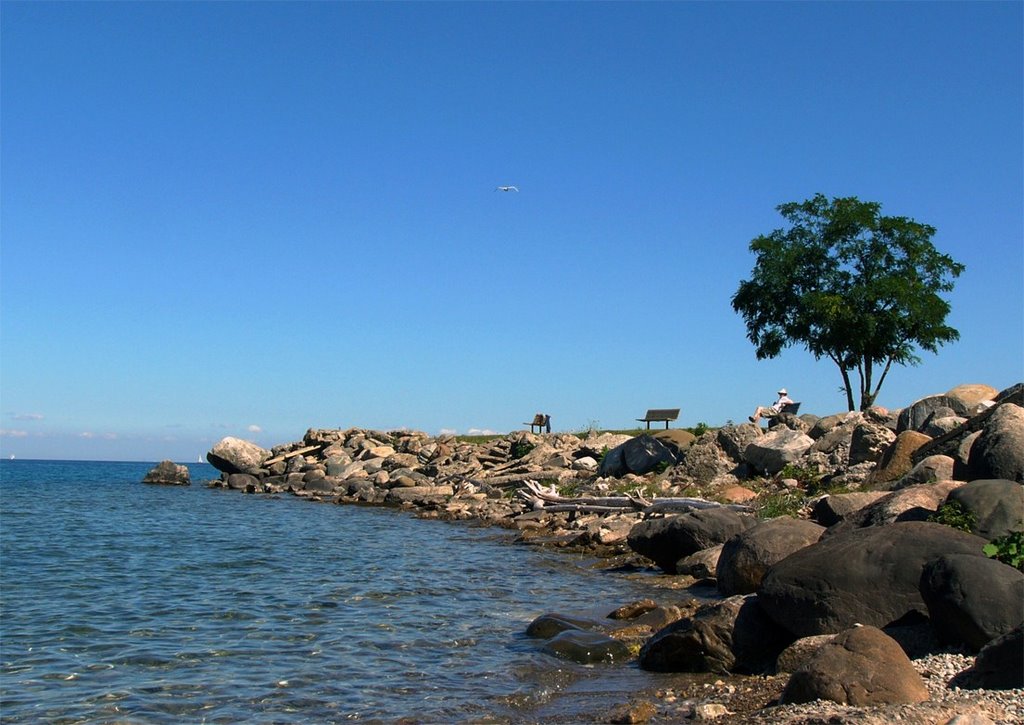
{"points": [[773, 409]]}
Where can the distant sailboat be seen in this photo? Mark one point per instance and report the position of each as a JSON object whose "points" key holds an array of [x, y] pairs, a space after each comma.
{"points": [[12, 456]]}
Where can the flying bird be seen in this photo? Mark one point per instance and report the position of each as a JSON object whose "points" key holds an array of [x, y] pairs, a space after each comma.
{"points": [[506, 188]]}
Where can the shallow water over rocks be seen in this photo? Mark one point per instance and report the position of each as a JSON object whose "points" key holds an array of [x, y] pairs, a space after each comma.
{"points": [[123, 601]]}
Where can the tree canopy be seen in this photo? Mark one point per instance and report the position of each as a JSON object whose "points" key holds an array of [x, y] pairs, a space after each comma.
{"points": [[851, 285]]}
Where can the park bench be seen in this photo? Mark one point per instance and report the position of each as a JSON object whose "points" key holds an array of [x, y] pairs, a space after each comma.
{"points": [[791, 408], [540, 421], [657, 415]]}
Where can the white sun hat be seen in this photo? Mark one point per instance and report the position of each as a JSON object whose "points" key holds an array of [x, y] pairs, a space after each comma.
{"points": [[783, 392]]}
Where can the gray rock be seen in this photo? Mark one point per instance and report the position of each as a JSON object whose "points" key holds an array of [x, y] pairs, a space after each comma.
{"points": [[824, 425], [168, 473], [999, 665], [701, 564], [972, 601], [242, 482], [667, 540], [928, 470], [734, 439], [997, 505], [643, 454], [914, 503], [830, 510], [772, 452], [586, 647], [233, 455], [936, 427], [914, 416], [728, 636], [862, 667], [999, 451], [868, 443], [868, 576], [547, 626], [320, 484], [705, 460], [749, 554]]}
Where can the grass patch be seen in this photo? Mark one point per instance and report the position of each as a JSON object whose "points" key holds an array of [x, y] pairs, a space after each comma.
{"points": [[783, 503]]}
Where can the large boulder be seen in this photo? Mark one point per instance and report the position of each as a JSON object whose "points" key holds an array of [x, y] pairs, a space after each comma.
{"points": [[748, 555], [732, 635], [972, 601], [862, 667], [706, 460], [999, 665], [999, 451], [914, 503], [667, 540], [168, 473], [234, 455], [914, 416], [734, 439], [639, 455], [867, 576], [897, 460], [868, 442], [830, 510], [997, 505], [770, 453], [928, 469], [973, 394]]}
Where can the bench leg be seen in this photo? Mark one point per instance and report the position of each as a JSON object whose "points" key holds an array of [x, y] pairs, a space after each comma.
{"points": [[666, 425]]}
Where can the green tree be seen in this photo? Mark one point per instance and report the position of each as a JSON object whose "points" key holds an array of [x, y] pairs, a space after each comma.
{"points": [[851, 285]]}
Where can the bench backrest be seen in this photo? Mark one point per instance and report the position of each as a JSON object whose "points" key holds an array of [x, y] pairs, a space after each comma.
{"points": [[662, 414], [539, 419], [790, 408]]}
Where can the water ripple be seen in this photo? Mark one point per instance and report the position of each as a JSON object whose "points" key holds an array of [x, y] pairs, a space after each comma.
{"points": [[131, 603]]}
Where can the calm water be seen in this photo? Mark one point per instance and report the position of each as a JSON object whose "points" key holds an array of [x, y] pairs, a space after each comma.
{"points": [[124, 602]]}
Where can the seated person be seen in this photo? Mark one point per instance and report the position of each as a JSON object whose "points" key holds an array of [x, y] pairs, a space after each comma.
{"points": [[772, 410]]}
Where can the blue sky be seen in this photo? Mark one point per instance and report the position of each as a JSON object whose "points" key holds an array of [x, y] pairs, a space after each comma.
{"points": [[253, 218]]}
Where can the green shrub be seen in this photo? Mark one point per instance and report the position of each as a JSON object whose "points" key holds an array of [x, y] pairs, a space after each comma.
{"points": [[699, 429], [953, 514], [520, 448], [1008, 549]]}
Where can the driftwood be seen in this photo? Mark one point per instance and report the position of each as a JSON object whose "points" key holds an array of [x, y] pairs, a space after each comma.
{"points": [[292, 454], [550, 500]]}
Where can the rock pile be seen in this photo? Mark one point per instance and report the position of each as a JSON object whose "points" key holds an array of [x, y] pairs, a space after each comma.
{"points": [[876, 526]]}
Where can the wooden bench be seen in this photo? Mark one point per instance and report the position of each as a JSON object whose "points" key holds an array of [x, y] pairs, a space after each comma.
{"points": [[541, 421], [791, 408], [657, 415]]}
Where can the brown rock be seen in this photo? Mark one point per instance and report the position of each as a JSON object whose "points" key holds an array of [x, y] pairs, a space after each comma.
{"points": [[862, 666], [896, 461], [632, 713], [737, 494], [972, 394]]}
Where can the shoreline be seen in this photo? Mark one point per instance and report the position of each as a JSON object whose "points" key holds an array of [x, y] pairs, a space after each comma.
{"points": [[588, 496]]}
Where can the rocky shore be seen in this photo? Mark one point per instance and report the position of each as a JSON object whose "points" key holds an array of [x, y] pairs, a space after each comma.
{"points": [[847, 554]]}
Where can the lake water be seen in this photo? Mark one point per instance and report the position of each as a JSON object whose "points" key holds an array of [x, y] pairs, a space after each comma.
{"points": [[131, 603]]}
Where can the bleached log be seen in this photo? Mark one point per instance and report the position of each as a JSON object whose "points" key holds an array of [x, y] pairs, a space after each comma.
{"points": [[551, 500], [292, 454]]}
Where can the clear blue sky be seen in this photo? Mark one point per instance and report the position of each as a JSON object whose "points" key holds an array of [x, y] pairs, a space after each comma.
{"points": [[253, 218]]}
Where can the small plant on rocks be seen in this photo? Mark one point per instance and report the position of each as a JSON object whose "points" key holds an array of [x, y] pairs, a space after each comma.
{"points": [[953, 514], [782, 503], [520, 448], [1008, 549]]}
